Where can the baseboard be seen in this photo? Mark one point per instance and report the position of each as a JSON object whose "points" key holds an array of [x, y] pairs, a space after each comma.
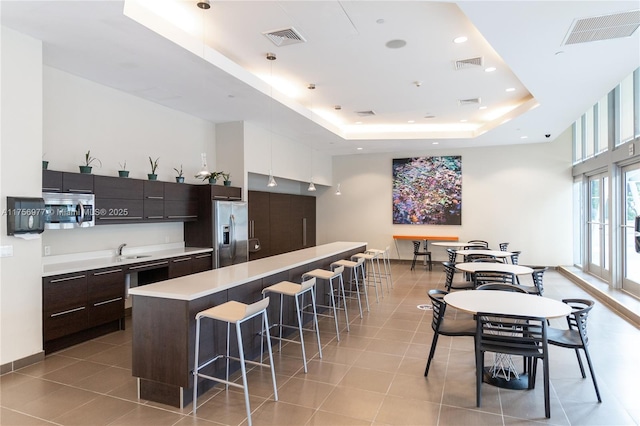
{"points": [[21, 363]]}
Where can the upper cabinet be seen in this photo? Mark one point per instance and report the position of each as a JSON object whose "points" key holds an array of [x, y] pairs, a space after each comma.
{"points": [[118, 200], [54, 181]]}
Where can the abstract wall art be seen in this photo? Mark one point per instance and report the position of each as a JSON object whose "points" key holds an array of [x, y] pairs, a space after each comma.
{"points": [[427, 190]]}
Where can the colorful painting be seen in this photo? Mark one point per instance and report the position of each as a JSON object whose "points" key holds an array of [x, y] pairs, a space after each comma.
{"points": [[427, 190]]}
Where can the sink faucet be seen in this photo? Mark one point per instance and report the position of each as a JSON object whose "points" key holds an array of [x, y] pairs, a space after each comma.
{"points": [[119, 249]]}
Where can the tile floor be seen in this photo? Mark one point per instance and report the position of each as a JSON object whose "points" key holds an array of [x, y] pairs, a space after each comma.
{"points": [[373, 376]]}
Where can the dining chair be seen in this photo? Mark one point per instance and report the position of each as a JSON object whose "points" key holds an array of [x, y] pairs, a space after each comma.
{"points": [[576, 336], [485, 245], [445, 326], [450, 282], [525, 336], [537, 275], [503, 246], [485, 277], [453, 255], [501, 287], [417, 253]]}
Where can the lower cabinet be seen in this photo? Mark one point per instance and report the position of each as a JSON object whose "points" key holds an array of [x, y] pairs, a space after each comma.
{"points": [[105, 295], [64, 299], [187, 265]]}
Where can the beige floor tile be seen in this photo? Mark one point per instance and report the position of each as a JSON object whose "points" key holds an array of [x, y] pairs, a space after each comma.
{"points": [[417, 387], [227, 407], [387, 347], [18, 390], [50, 363], [99, 411], [145, 415], [324, 418], [57, 403], [272, 413], [405, 411], [85, 350], [340, 355], [119, 356], [379, 361], [14, 418], [322, 371], [106, 381], [367, 379], [307, 393], [363, 405]]}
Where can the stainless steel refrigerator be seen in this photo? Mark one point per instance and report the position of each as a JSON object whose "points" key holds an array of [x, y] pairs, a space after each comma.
{"points": [[230, 233]]}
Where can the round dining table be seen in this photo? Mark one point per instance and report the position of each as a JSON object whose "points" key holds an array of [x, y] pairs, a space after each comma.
{"points": [[494, 253], [472, 267], [503, 373], [455, 244]]}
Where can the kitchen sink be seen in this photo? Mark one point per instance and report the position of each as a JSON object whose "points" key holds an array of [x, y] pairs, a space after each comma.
{"points": [[135, 256]]}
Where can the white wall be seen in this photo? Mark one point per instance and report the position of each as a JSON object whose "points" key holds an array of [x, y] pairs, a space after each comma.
{"points": [[520, 194], [80, 115], [20, 159]]}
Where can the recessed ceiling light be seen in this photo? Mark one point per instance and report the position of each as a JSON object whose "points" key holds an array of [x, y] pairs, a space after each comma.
{"points": [[511, 89], [490, 69], [359, 148], [483, 107], [460, 39], [429, 116], [358, 122], [411, 121], [524, 137], [463, 120], [395, 44], [380, 21], [435, 143]]}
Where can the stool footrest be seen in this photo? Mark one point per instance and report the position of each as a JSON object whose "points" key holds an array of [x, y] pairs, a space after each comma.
{"points": [[224, 382], [212, 360]]}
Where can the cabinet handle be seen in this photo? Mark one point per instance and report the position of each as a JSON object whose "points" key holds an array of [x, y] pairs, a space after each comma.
{"points": [[184, 259], [44, 189], [224, 197], [57, 314], [113, 271], [155, 217], [304, 232], [149, 264], [201, 256], [80, 190], [155, 198], [235, 198], [120, 218], [107, 301], [58, 280], [182, 217]]}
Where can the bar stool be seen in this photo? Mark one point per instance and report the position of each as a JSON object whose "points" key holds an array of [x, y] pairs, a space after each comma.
{"points": [[286, 288], [386, 263], [329, 276], [233, 312], [353, 278], [369, 278]]}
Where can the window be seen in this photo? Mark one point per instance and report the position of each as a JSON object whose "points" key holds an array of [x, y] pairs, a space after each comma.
{"points": [[626, 110], [589, 134], [577, 142], [602, 123]]}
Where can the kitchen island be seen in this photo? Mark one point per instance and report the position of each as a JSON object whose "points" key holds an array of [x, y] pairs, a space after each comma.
{"points": [[164, 317]]}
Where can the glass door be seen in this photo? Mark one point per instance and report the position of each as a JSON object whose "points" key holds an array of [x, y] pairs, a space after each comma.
{"points": [[598, 226], [630, 209]]}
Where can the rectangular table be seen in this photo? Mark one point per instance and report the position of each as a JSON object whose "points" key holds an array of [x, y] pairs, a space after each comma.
{"points": [[425, 238]]}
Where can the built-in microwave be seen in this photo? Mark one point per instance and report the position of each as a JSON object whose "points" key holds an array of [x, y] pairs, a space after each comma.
{"points": [[67, 211]]}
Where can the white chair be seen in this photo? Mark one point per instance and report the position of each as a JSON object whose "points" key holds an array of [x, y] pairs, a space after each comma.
{"points": [[297, 291], [371, 278], [354, 273], [386, 262], [330, 276], [233, 312]]}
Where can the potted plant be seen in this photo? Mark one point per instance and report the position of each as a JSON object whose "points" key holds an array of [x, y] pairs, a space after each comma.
{"points": [[180, 177], [123, 172], [226, 178], [212, 177], [88, 160], [154, 166]]}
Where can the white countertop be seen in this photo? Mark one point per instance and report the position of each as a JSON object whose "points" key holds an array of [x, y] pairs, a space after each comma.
{"points": [[76, 263], [194, 286]]}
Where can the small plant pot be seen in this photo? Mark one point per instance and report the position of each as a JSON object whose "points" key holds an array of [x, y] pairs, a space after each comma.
{"points": [[45, 164], [123, 173], [85, 169], [227, 183], [212, 181], [152, 176], [180, 179]]}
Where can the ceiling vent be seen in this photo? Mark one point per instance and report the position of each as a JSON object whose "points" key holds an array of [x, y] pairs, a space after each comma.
{"points": [[472, 101], [369, 113], [604, 27], [284, 36], [469, 63]]}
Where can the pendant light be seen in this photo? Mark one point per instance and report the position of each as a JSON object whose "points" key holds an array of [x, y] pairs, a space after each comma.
{"points": [[272, 181], [204, 170], [338, 190], [311, 187]]}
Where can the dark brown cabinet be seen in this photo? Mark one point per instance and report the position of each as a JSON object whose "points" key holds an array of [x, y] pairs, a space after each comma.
{"points": [[105, 296], [55, 181], [179, 266], [282, 222], [199, 233], [180, 202], [64, 300], [118, 200], [201, 262], [153, 200]]}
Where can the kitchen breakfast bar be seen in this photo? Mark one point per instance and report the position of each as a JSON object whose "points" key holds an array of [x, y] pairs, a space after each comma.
{"points": [[164, 317]]}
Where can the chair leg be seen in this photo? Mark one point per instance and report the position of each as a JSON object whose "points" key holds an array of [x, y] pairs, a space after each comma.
{"points": [[413, 263], [584, 376], [195, 367], [479, 373], [304, 355], [429, 260], [243, 370], [432, 352], [593, 375], [547, 407]]}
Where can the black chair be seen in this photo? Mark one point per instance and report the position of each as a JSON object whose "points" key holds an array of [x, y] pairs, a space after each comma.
{"points": [[503, 246], [482, 245], [490, 277], [501, 287], [576, 336], [417, 253], [537, 275], [445, 326], [453, 255], [513, 335], [449, 284]]}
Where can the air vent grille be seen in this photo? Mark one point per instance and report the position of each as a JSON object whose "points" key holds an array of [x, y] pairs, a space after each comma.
{"points": [[469, 63], [369, 113], [604, 27], [284, 36], [470, 101]]}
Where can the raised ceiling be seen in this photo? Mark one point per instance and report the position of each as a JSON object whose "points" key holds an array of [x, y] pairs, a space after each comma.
{"points": [[392, 67]]}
